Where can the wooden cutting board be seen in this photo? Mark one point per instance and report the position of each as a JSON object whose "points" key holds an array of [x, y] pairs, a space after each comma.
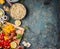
{"points": [[19, 28]]}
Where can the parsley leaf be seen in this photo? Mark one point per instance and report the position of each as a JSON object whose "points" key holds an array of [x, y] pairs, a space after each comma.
{"points": [[19, 36]]}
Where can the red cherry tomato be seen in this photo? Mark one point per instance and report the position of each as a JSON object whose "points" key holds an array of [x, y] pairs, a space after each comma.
{"points": [[3, 43], [1, 36], [6, 44], [0, 45]]}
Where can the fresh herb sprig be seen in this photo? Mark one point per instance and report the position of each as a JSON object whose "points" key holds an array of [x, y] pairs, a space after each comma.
{"points": [[19, 36]]}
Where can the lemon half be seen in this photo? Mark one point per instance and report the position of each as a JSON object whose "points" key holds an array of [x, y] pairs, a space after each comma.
{"points": [[13, 44]]}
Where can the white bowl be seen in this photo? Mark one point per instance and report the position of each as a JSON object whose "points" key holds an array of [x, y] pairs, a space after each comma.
{"points": [[13, 0]]}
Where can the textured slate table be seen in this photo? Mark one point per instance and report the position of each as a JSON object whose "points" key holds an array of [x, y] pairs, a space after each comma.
{"points": [[42, 21]]}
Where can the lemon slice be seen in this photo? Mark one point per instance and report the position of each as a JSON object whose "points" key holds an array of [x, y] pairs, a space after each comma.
{"points": [[1, 12], [17, 22], [13, 44]]}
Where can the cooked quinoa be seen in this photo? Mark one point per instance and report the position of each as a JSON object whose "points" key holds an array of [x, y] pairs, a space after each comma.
{"points": [[17, 11]]}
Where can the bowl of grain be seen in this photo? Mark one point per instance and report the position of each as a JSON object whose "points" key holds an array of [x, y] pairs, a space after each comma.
{"points": [[18, 11]]}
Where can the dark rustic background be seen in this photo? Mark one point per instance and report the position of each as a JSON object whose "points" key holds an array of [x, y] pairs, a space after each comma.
{"points": [[43, 20]]}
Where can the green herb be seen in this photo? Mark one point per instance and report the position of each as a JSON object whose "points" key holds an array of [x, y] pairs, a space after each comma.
{"points": [[19, 36], [26, 28]]}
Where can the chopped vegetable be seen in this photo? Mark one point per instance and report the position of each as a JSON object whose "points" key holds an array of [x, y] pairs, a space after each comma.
{"points": [[0, 44], [17, 22], [9, 38], [6, 44], [19, 36], [13, 44], [8, 29], [14, 38], [1, 36], [6, 38], [26, 27]]}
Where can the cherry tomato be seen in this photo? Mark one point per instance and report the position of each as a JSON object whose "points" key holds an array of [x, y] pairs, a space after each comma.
{"points": [[6, 44], [1, 36], [3, 43], [0, 45]]}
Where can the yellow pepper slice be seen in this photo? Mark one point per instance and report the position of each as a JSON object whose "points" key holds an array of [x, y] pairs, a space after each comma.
{"points": [[8, 29], [6, 38]]}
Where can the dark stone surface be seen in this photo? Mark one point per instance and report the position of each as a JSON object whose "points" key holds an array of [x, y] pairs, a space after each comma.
{"points": [[42, 21]]}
